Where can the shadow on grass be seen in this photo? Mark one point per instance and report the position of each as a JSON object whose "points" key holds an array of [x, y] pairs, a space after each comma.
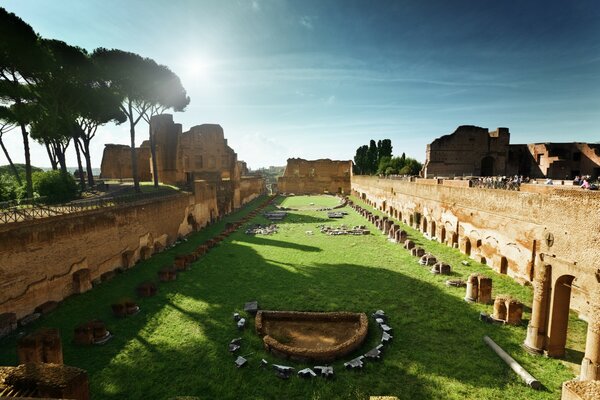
{"points": [[177, 345], [261, 240]]}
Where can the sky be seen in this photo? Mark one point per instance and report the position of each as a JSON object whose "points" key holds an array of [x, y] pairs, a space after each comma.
{"points": [[319, 78]]}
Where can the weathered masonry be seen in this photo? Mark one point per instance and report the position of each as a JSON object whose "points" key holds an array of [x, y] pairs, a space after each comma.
{"points": [[315, 176], [550, 239], [471, 150], [43, 261]]}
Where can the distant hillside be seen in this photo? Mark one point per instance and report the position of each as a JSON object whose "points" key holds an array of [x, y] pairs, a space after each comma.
{"points": [[5, 169]]}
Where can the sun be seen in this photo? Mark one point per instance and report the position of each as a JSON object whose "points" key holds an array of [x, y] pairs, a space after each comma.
{"points": [[197, 68]]}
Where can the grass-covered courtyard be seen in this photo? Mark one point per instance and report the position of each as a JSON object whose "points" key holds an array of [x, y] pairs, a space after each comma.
{"points": [[177, 344]]}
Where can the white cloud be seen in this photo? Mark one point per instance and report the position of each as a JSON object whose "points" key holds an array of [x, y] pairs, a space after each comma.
{"points": [[307, 22]]}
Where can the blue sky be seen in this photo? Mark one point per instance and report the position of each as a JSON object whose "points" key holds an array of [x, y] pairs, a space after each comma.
{"points": [[317, 79]]}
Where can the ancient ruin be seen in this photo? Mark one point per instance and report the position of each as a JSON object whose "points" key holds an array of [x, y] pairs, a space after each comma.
{"points": [[314, 336], [475, 151], [315, 176], [535, 236]]}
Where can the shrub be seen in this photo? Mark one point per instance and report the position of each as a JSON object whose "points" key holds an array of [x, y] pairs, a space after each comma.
{"points": [[9, 187], [55, 186]]}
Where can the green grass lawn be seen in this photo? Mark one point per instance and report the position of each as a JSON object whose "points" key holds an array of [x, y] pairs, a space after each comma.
{"points": [[177, 345]]}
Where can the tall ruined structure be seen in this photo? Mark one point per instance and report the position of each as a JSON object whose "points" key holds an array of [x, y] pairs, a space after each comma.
{"points": [[202, 153], [475, 151], [318, 176]]}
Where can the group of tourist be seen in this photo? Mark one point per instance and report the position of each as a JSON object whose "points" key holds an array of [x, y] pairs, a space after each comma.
{"points": [[499, 182], [584, 182]]}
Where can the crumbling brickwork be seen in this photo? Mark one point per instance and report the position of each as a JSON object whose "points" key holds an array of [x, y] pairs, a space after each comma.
{"points": [[475, 151], [318, 176]]}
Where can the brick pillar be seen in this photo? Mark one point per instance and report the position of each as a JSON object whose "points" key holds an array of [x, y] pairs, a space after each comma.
{"points": [[485, 290], [536, 330], [590, 366]]}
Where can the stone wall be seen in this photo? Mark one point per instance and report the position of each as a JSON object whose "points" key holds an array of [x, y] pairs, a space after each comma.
{"points": [[49, 259], [116, 162], [507, 230], [315, 176], [475, 151]]}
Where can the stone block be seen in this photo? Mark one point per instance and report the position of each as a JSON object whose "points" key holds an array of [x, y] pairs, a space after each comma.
{"points": [[485, 290], [42, 346], [146, 289], [167, 274], [514, 312]]}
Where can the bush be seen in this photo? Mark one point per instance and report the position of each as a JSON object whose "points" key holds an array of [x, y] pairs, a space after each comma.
{"points": [[9, 187], [55, 186]]}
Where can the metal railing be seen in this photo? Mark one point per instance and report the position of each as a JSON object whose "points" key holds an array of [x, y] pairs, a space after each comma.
{"points": [[17, 212]]}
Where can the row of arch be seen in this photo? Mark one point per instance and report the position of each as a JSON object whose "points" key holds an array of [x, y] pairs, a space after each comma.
{"points": [[548, 326]]}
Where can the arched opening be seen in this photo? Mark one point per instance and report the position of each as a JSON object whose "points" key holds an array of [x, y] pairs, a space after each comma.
{"points": [[424, 225], [433, 228], [443, 234], [383, 205], [467, 247], [483, 260], [559, 316], [503, 265], [478, 244], [454, 239], [487, 166], [411, 220]]}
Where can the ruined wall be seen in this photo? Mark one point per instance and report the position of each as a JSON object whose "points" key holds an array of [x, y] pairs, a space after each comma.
{"points": [[475, 151], [251, 187], [470, 150], [318, 176], [507, 230], [116, 162], [51, 258]]}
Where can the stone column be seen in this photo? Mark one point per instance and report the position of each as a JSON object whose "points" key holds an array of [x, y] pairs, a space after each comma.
{"points": [[590, 366], [536, 330]]}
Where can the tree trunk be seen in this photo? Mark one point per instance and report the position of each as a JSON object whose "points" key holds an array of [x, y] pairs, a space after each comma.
{"points": [[28, 180], [51, 156], [134, 170], [60, 156], [79, 166], [153, 152], [12, 166], [88, 161]]}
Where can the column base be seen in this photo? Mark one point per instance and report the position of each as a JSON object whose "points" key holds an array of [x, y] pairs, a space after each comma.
{"points": [[531, 350], [589, 371]]}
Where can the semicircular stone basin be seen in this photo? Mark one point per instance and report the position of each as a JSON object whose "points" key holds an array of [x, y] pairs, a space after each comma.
{"points": [[311, 336]]}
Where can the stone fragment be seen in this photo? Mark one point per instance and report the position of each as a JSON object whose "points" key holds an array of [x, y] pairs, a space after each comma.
{"points": [[307, 373], [386, 328], [233, 347], [241, 323], [240, 361], [237, 340], [386, 337], [263, 363], [236, 317], [325, 371], [251, 307], [375, 353], [355, 363], [283, 371], [42, 346]]}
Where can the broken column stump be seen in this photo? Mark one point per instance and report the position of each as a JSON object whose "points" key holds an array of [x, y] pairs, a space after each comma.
{"points": [[91, 332], [124, 308], [479, 289], [42, 346], [167, 274], [508, 310], [146, 289]]}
